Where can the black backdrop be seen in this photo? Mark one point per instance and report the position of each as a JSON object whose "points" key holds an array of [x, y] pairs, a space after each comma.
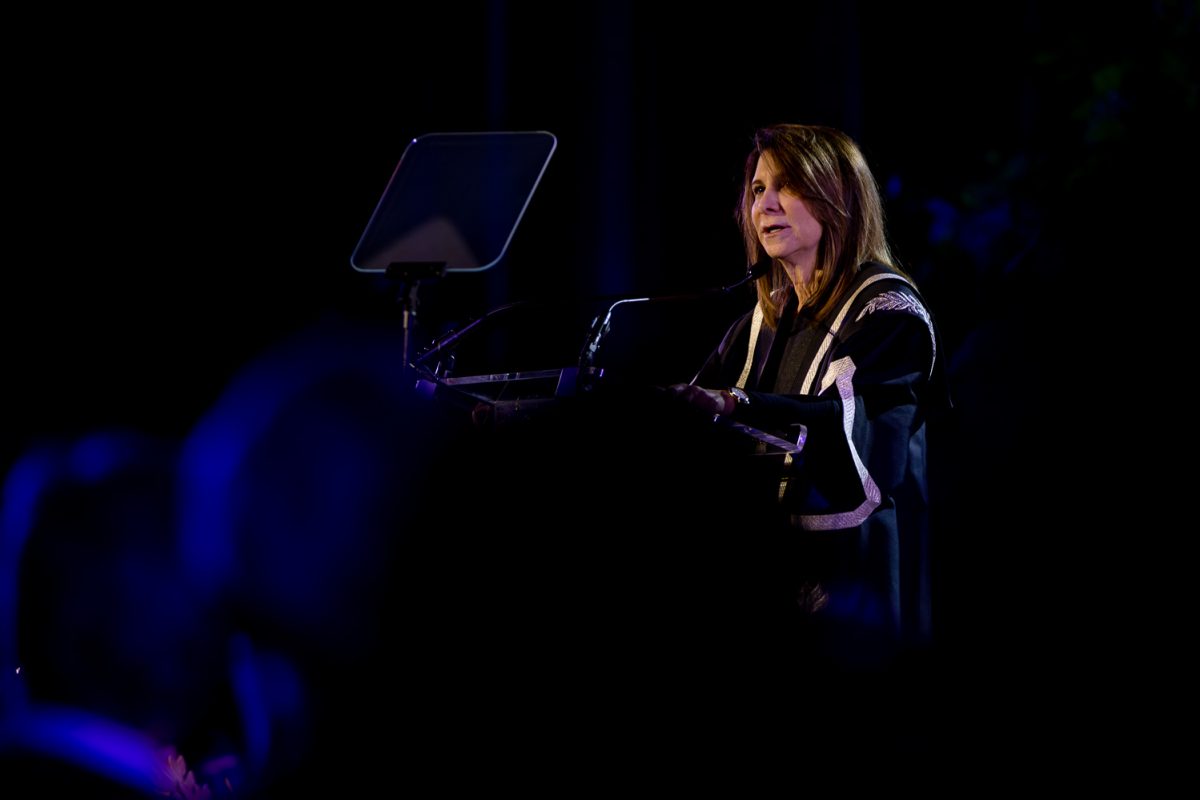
{"points": [[177, 203]]}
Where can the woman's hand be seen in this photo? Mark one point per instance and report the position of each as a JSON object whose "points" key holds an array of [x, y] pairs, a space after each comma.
{"points": [[711, 401]]}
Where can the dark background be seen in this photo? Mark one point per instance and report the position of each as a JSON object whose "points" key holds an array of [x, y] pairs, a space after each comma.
{"points": [[178, 202]]}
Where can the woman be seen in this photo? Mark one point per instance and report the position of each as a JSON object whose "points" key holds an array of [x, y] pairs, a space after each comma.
{"points": [[840, 353]]}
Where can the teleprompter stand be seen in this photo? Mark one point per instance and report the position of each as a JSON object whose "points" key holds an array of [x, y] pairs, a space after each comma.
{"points": [[452, 204]]}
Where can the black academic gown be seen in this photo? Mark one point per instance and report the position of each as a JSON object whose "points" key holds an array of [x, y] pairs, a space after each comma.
{"points": [[861, 385]]}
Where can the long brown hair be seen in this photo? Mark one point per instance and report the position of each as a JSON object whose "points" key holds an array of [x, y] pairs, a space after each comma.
{"points": [[827, 169]]}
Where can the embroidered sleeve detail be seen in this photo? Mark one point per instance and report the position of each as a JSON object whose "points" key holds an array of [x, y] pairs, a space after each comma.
{"points": [[895, 301], [898, 301]]}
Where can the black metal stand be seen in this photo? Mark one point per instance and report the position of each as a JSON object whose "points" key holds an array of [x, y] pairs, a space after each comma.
{"points": [[409, 275]]}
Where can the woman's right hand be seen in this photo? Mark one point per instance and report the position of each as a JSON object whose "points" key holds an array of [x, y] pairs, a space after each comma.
{"points": [[711, 401]]}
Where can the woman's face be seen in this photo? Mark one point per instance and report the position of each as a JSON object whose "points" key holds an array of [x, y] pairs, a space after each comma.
{"points": [[784, 225]]}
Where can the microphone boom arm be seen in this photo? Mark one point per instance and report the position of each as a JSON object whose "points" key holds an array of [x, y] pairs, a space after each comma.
{"points": [[601, 325]]}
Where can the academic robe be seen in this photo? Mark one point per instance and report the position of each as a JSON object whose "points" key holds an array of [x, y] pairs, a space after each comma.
{"points": [[857, 389]]}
